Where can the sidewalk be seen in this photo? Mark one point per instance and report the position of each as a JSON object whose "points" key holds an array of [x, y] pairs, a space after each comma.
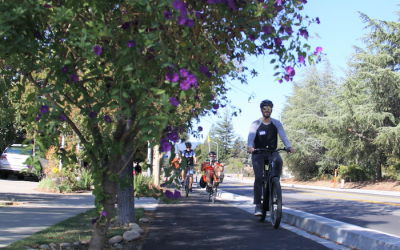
{"points": [[43, 210], [195, 223]]}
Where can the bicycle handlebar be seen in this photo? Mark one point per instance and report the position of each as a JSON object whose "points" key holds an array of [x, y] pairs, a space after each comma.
{"points": [[259, 150]]}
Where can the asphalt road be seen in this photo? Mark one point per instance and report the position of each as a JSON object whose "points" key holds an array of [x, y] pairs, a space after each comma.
{"points": [[377, 212]]}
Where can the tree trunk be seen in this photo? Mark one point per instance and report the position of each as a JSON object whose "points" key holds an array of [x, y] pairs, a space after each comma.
{"points": [[126, 201], [99, 235], [156, 165], [379, 166]]}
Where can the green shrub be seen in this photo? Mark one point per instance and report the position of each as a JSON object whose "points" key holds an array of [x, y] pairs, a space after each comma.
{"points": [[352, 173], [48, 185]]}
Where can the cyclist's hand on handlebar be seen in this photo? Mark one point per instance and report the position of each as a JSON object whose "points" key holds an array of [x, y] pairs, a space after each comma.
{"points": [[291, 150], [250, 150]]}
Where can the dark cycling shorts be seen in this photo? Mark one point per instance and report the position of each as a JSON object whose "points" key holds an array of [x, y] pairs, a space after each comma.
{"points": [[190, 168]]}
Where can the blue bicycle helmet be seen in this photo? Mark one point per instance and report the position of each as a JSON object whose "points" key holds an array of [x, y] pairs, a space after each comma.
{"points": [[266, 102]]}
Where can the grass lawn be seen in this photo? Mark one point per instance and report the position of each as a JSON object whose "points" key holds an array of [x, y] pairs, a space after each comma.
{"points": [[77, 228]]}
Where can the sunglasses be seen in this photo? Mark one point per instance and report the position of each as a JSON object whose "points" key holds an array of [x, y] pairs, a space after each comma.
{"points": [[267, 108]]}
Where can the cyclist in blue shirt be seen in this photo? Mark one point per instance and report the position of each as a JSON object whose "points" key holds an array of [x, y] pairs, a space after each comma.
{"points": [[190, 156], [264, 133]]}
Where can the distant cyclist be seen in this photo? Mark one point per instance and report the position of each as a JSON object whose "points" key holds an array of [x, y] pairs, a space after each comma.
{"points": [[216, 166], [264, 132], [190, 156]]}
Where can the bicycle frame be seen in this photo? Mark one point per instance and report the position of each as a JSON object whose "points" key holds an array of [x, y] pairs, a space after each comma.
{"points": [[268, 177]]}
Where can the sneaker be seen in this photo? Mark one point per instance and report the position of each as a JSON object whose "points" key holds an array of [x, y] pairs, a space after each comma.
{"points": [[190, 190], [257, 211]]}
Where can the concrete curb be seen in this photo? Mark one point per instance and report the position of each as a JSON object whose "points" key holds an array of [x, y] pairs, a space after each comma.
{"points": [[340, 232], [343, 233]]}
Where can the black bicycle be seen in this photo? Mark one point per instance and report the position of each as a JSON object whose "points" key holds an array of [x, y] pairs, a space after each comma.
{"points": [[189, 172], [271, 188]]}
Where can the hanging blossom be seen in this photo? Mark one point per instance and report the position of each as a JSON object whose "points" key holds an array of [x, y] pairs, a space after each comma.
{"points": [[107, 119], [97, 50], [65, 69], [44, 109], [92, 114], [167, 15], [177, 194], [131, 43], [174, 101], [290, 71], [169, 194], [103, 213], [74, 77]]}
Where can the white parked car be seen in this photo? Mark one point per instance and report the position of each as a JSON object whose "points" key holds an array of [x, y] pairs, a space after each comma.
{"points": [[12, 162]]}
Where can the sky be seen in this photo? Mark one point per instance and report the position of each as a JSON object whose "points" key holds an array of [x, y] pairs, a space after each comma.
{"points": [[340, 29]]}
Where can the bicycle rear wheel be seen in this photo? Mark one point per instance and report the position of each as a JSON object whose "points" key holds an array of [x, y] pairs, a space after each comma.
{"points": [[187, 187], [276, 203], [264, 201]]}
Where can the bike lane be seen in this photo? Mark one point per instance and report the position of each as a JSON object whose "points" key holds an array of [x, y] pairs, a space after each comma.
{"points": [[195, 223]]}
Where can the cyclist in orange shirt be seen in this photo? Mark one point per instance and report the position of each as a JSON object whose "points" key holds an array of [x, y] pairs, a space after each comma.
{"points": [[216, 166]]}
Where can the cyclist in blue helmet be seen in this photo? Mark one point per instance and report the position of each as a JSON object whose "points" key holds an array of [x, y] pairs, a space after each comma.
{"points": [[264, 133]]}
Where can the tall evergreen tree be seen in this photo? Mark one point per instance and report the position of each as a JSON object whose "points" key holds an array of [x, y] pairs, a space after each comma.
{"points": [[225, 135], [312, 99]]}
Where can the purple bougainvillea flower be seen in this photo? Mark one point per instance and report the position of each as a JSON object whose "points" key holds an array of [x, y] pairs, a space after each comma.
{"points": [[94, 220], [198, 15], [125, 25], [252, 37], [278, 42], [167, 15], [203, 69], [169, 194], [290, 71], [168, 77], [65, 69], [177, 194], [192, 79], [231, 3], [175, 77], [317, 19], [301, 59], [37, 34], [208, 74], [197, 97], [189, 22], [74, 77], [174, 137], [185, 85], [131, 43], [103, 213], [174, 101], [280, 81], [289, 30], [8, 66], [107, 119], [279, 1], [287, 78], [184, 72], [44, 109], [200, 128], [46, 5], [304, 1], [181, 20], [177, 4], [267, 29], [29, 166], [168, 128], [62, 118], [92, 114], [97, 50], [318, 49], [304, 33], [38, 118], [216, 106]]}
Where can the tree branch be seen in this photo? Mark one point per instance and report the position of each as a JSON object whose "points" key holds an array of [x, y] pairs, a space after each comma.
{"points": [[359, 135]]}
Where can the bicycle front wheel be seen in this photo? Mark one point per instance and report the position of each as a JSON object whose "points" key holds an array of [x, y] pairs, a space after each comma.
{"points": [[276, 203], [264, 201]]}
